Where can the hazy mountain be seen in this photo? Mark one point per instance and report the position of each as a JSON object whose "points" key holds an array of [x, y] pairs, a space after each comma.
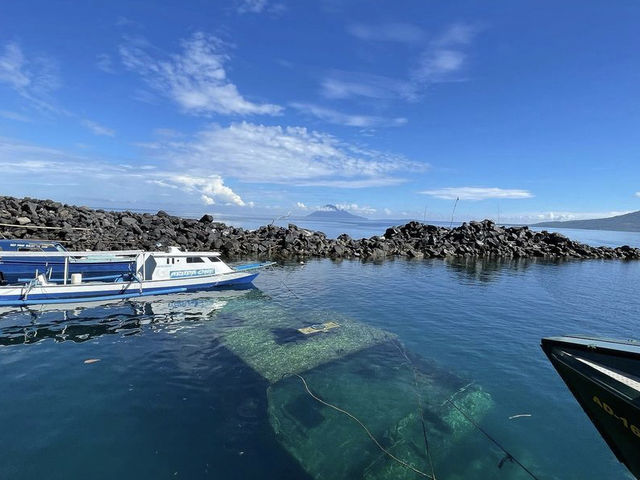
{"points": [[331, 212], [629, 222]]}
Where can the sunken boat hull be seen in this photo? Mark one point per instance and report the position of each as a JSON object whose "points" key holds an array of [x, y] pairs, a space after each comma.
{"points": [[604, 377]]}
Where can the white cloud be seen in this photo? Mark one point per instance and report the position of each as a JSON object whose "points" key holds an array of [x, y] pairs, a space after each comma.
{"points": [[559, 216], [105, 63], [366, 183], [33, 79], [260, 6], [339, 118], [207, 200], [195, 79], [441, 60], [13, 68], [637, 194], [252, 6], [476, 193], [342, 85], [209, 187], [281, 155], [301, 206], [444, 55], [388, 32], [30, 160], [98, 129], [32, 163], [14, 116], [387, 211], [357, 209]]}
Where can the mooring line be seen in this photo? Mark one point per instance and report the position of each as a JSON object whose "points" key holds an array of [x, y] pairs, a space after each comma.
{"points": [[386, 452], [508, 455], [427, 448]]}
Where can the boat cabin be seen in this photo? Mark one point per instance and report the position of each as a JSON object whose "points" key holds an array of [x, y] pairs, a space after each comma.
{"points": [[175, 264]]}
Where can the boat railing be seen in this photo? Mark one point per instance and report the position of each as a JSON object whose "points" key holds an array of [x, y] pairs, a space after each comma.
{"points": [[185, 254], [71, 254], [125, 255]]}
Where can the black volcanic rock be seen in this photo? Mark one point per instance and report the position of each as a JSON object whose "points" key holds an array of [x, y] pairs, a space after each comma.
{"points": [[81, 228]]}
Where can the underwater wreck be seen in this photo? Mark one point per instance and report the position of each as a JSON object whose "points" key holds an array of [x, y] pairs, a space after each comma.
{"points": [[345, 399]]}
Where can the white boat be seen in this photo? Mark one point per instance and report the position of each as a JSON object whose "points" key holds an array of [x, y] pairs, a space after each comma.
{"points": [[156, 273]]}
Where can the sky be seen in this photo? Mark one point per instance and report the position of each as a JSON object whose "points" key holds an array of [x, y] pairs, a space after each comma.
{"points": [[516, 111]]}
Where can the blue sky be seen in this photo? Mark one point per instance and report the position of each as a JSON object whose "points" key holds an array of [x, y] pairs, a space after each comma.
{"points": [[523, 110]]}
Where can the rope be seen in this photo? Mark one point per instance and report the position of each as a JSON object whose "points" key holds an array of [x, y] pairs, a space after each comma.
{"points": [[282, 281], [386, 452], [420, 407], [43, 227], [508, 455]]}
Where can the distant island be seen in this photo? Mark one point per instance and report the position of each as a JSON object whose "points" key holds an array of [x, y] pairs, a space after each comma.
{"points": [[331, 212], [629, 222]]}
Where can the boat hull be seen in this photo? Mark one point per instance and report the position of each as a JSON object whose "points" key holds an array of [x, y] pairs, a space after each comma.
{"points": [[17, 296], [604, 377]]}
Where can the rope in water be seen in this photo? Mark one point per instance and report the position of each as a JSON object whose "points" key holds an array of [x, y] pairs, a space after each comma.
{"points": [[420, 407], [508, 455], [386, 452]]}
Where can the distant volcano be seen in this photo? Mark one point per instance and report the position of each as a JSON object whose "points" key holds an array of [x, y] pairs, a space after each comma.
{"points": [[331, 212]]}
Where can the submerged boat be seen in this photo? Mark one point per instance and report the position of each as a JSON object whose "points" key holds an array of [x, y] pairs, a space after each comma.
{"points": [[604, 376], [22, 268], [155, 273]]}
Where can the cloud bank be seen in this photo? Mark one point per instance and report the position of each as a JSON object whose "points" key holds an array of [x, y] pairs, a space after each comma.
{"points": [[476, 193], [195, 79]]}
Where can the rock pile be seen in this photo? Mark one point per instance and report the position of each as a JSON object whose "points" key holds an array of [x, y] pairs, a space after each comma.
{"points": [[82, 228]]}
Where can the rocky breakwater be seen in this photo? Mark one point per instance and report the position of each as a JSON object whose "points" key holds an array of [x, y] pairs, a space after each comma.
{"points": [[82, 228]]}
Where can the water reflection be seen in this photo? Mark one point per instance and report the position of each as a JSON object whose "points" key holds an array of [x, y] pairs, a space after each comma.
{"points": [[490, 269], [82, 322]]}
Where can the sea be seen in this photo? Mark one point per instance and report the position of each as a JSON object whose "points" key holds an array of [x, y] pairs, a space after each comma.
{"points": [[408, 369]]}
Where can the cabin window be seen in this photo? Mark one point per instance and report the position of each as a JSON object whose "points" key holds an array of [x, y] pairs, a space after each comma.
{"points": [[194, 260], [173, 260], [215, 259], [167, 261], [29, 249]]}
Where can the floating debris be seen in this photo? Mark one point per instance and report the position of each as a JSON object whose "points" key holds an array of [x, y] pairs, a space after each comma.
{"points": [[321, 328], [91, 360], [520, 416]]}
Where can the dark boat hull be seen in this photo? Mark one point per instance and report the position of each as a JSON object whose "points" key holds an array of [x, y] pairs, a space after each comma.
{"points": [[604, 376]]}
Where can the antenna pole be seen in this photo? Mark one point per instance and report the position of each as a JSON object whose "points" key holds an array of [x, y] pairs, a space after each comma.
{"points": [[453, 211]]}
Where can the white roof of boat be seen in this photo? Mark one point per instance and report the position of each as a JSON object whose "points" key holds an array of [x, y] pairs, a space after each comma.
{"points": [[113, 253], [109, 253], [185, 254]]}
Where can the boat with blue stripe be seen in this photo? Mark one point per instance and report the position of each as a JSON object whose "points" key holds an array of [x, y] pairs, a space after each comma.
{"points": [[156, 273], [22, 268]]}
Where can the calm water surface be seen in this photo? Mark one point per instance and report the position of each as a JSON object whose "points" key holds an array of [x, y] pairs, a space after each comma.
{"points": [[188, 386]]}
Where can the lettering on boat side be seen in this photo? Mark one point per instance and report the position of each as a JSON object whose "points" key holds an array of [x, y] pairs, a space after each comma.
{"points": [[635, 430], [191, 273]]}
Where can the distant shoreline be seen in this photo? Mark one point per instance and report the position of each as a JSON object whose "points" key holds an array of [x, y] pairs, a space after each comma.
{"points": [[628, 222]]}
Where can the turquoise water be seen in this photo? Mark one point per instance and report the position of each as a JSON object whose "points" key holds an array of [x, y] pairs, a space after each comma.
{"points": [[188, 386]]}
